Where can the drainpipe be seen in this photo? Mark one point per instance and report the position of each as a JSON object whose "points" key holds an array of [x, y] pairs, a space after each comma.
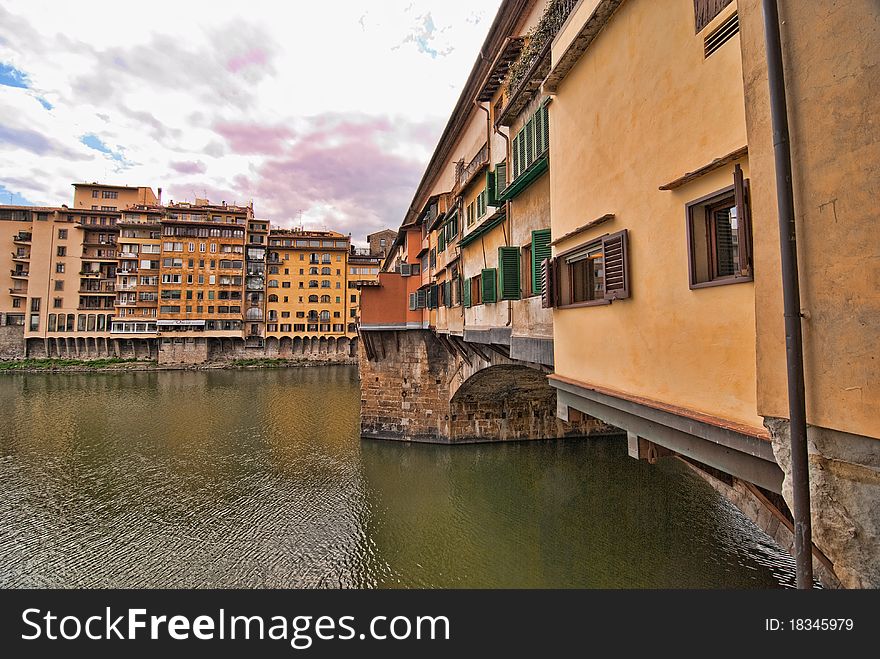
{"points": [[794, 351]]}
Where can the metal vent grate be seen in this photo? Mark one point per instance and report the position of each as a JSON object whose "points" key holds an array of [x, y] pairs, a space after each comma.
{"points": [[722, 34]]}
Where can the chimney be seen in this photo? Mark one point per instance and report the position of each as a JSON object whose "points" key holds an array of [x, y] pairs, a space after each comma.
{"points": [[160, 196]]}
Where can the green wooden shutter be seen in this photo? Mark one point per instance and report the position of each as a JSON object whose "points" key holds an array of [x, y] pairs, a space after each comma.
{"points": [[508, 273], [514, 158], [500, 178], [466, 292], [545, 126], [441, 239], [489, 285], [523, 164], [540, 251], [530, 141], [491, 191]]}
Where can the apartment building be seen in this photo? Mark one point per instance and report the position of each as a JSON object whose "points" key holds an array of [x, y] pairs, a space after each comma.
{"points": [[306, 284], [363, 271], [182, 283]]}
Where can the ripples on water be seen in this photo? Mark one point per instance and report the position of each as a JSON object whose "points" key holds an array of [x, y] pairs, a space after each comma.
{"points": [[259, 479]]}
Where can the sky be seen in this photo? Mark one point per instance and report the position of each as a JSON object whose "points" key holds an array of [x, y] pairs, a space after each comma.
{"points": [[324, 114]]}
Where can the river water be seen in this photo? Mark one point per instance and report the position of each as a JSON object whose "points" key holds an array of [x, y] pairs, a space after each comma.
{"points": [[259, 479]]}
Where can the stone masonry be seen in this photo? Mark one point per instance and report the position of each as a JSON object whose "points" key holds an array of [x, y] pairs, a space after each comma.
{"points": [[421, 388]]}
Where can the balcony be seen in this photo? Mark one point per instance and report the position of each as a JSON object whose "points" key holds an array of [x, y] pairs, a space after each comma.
{"points": [[465, 173], [21, 256], [22, 238], [103, 258], [93, 274], [126, 271], [528, 71], [94, 307], [127, 255], [19, 274], [254, 313], [103, 288], [18, 292]]}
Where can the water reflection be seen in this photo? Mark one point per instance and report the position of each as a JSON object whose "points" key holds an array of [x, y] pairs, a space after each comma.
{"points": [[259, 479]]}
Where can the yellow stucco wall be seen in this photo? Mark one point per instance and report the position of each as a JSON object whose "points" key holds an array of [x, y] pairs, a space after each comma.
{"points": [[646, 107], [834, 107]]}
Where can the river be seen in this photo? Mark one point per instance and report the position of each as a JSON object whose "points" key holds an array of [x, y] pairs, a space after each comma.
{"points": [[259, 478]]}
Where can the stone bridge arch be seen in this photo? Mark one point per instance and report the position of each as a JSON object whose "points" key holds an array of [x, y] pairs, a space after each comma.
{"points": [[419, 386]]}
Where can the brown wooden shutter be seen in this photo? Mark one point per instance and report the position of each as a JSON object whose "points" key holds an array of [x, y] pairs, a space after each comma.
{"points": [[614, 247], [548, 283], [743, 222]]}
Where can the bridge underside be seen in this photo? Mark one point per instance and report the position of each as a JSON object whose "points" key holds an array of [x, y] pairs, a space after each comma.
{"points": [[420, 387]]}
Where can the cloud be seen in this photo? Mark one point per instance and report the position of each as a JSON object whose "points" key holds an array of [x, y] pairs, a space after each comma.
{"points": [[34, 142], [12, 77], [254, 138], [188, 167]]}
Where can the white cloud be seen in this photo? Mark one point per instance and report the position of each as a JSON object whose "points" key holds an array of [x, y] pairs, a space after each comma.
{"points": [[161, 87]]}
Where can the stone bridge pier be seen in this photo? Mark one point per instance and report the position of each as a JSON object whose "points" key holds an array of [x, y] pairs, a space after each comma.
{"points": [[424, 387]]}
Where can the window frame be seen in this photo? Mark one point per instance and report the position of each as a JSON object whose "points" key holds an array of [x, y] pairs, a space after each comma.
{"points": [[707, 202]]}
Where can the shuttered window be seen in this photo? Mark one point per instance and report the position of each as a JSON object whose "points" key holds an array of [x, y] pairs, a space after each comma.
{"points": [[508, 273], [447, 294], [466, 292], [489, 292], [421, 299], [500, 176], [441, 240], [540, 250], [719, 236], [594, 273], [529, 145]]}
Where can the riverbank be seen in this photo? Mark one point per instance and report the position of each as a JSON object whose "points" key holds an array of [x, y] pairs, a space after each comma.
{"points": [[56, 365]]}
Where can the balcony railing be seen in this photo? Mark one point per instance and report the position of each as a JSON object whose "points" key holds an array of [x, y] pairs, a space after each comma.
{"points": [[126, 271], [90, 273], [254, 314], [463, 173], [18, 292], [104, 287], [20, 256], [20, 274], [22, 237]]}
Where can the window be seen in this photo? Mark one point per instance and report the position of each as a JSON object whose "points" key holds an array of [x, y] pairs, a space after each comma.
{"points": [[62, 234], [470, 214], [59, 267], [719, 236], [57, 303], [35, 304], [59, 285], [590, 274], [508, 273], [526, 271], [706, 10], [94, 194], [16, 303], [433, 257], [540, 250], [109, 194]]}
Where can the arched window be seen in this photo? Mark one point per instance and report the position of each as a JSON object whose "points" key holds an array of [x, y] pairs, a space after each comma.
{"points": [[273, 298], [325, 283], [313, 315], [313, 271], [326, 271], [325, 258], [313, 299], [273, 283], [313, 283], [325, 315], [325, 299]]}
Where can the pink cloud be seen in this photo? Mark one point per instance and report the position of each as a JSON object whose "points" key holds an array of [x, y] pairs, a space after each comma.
{"points": [[255, 57], [189, 167], [252, 138]]}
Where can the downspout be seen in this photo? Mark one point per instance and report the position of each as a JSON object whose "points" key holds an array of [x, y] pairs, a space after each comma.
{"points": [[794, 350]]}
